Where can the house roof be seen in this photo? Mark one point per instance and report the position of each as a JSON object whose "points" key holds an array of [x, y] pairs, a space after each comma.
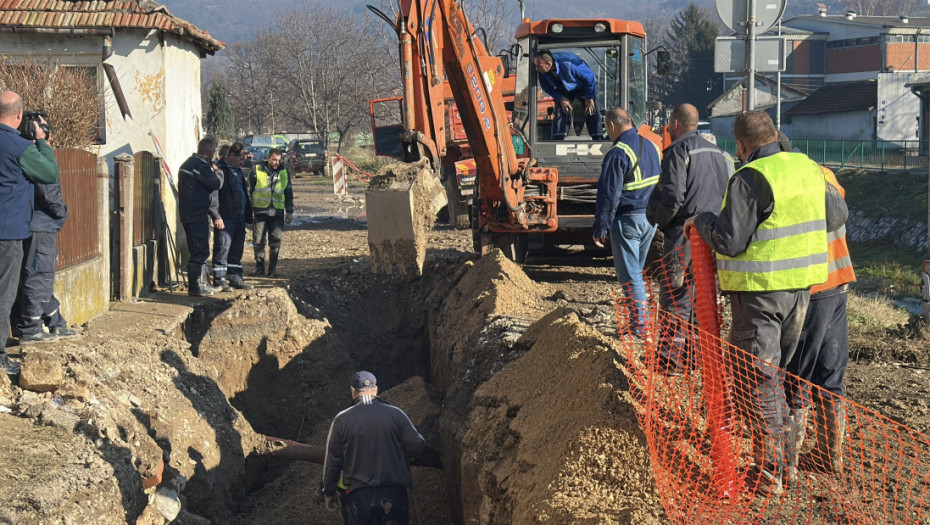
{"points": [[838, 97], [787, 92], [875, 21], [51, 15]]}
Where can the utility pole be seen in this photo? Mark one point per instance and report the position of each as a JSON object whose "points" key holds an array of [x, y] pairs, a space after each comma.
{"points": [[751, 56]]}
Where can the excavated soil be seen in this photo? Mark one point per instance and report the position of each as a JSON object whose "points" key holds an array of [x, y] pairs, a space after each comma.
{"points": [[512, 374]]}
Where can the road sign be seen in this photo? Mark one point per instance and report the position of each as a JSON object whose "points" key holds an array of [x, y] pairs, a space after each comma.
{"points": [[735, 14], [730, 54]]}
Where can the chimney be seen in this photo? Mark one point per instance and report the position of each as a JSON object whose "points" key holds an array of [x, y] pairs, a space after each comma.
{"points": [[851, 14], [903, 19], [822, 9]]}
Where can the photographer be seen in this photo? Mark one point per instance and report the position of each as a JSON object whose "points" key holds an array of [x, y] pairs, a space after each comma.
{"points": [[22, 163]]}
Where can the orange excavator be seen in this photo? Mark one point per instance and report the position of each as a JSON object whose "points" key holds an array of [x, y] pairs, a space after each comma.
{"points": [[527, 188]]}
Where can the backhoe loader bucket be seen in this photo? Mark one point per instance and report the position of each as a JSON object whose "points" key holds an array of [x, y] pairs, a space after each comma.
{"points": [[401, 204]]}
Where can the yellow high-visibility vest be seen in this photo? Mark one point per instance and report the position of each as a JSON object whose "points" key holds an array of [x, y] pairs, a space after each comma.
{"points": [[264, 195]]}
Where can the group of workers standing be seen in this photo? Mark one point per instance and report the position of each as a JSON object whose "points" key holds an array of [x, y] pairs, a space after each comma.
{"points": [[776, 226], [32, 211], [217, 195]]}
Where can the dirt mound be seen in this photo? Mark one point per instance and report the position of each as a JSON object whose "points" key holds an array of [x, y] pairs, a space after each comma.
{"points": [[552, 438]]}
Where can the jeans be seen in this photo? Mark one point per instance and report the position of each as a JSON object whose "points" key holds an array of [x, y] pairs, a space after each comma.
{"points": [[630, 237], [561, 121], [373, 505]]}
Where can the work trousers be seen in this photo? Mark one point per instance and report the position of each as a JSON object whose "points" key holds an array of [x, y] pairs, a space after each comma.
{"points": [[768, 326], [272, 227], [823, 351], [561, 121], [38, 304], [675, 298], [198, 240], [228, 244], [377, 506], [11, 261], [630, 237]]}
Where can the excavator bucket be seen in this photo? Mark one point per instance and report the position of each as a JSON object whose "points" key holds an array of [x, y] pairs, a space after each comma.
{"points": [[401, 205]]}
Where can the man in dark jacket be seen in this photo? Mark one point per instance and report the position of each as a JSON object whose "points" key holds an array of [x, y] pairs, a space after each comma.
{"points": [[629, 173], [22, 163], [694, 179], [770, 240], [367, 452], [272, 208], [38, 305], [566, 77], [236, 212], [198, 181]]}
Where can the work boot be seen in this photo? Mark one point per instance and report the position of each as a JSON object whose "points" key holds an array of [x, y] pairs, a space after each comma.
{"points": [[222, 283], [236, 282], [795, 429], [38, 337], [62, 331], [194, 288], [10, 367], [259, 269]]}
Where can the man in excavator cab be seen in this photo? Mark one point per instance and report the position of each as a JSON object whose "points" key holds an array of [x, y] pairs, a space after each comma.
{"points": [[566, 77]]}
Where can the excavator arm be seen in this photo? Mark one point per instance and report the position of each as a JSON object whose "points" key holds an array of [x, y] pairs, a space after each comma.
{"points": [[437, 43]]}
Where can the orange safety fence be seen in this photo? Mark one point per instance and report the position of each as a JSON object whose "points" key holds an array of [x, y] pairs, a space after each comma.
{"points": [[353, 170], [713, 457]]}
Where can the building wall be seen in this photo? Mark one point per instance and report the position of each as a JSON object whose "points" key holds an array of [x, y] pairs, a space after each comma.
{"points": [[903, 55], [898, 108], [850, 125], [853, 59]]}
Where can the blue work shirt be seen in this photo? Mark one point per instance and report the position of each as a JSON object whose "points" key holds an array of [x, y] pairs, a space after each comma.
{"points": [[617, 170], [572, 78]]}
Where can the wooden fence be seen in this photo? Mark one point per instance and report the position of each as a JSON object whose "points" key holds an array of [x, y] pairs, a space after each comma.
{"points": [[78, 240], [146, 198]]}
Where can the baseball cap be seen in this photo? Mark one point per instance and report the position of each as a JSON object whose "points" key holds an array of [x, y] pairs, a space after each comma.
{"points": [[363, 379]]}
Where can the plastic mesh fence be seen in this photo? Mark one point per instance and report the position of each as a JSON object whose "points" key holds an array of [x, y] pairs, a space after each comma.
{"points": [[713, 457]]}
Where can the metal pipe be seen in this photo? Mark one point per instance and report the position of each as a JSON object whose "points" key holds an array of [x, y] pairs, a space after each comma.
{"points": [[751, 56]]}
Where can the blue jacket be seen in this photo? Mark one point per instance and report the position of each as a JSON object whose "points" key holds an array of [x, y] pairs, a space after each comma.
{"points": [[21, 161], [234, 195], [616, 170], [196, 182], [572, 78], [50, 209]]}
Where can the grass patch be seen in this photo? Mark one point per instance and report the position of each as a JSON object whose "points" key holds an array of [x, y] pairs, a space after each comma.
{"points": [[886, 194], [887, 269], [867, 314]]}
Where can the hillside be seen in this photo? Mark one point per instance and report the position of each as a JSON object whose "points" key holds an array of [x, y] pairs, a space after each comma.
{"points": [[232, 20]]}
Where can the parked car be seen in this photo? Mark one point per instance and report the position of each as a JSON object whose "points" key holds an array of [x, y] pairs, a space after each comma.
{"points": [[257, 154], [270, 141], [306, 155]]}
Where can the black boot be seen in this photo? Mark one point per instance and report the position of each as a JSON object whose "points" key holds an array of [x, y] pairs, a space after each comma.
{"points": [[8, 366], [193, 281], [236, 282], [273, 264], [259, 268], [222, 283]]}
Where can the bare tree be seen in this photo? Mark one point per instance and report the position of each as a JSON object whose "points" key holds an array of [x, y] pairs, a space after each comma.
{"points": [[882, 7], [68, 95]]}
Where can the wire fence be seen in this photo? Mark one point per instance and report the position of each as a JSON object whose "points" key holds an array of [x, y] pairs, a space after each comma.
{"points": [[905, 155], [709, 442]]}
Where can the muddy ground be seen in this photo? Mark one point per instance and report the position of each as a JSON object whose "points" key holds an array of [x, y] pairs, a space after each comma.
{"points": [[511, 373]]}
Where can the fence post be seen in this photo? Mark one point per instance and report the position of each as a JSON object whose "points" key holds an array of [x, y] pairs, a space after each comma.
{"points": [[883, 156], [124, 190]]}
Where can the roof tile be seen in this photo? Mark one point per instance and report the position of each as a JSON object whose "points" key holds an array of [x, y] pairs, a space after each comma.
{"points": [[61, 14], [837, 97]]}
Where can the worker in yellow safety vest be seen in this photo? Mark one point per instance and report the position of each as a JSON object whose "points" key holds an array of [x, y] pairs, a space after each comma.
{"points": [[272, 208], [770, 239]]}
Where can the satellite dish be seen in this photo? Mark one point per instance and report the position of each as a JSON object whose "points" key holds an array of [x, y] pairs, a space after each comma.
{"points": [[735, 14]]}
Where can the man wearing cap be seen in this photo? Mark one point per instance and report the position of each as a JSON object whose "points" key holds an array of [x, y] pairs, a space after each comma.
{"points": [[368, 445]]}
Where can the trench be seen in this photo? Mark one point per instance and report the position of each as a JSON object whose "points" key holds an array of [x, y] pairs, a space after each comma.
{"points": [[376, 323]]}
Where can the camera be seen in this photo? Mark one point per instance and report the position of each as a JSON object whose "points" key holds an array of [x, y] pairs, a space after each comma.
{"points": [[26, 128]]}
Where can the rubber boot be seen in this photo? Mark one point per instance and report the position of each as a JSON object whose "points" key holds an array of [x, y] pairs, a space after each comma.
{"points": [[205, 282], [795, 429], [259, 268], [194, 289], [829, 431], [273, 264]]}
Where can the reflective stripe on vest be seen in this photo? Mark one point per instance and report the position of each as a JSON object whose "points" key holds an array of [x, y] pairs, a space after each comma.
{"points": [[788, 251], [840, 265], [638, 181], [264, 195]]}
